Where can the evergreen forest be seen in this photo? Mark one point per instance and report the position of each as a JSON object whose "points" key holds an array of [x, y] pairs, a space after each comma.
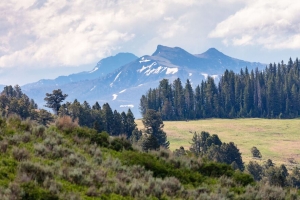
{"points": [[271, 93]]}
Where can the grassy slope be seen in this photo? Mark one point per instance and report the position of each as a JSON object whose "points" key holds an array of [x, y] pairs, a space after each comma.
{"points": [[39, 163], [276, 139]]}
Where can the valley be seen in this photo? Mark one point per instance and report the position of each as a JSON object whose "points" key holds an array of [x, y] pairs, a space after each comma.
{"points": [[276, 139]]}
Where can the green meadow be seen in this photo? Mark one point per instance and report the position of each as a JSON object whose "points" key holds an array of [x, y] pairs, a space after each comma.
{"points": [[276, 139]]}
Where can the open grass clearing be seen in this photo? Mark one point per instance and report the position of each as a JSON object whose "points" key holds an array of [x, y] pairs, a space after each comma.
{"points": [[277, 139]]}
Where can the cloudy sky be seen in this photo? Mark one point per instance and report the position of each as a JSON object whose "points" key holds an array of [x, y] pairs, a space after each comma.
{"points": [[46, 38]]}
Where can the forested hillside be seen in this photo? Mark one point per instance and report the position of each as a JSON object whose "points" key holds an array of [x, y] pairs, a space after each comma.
{"points": [[271, 93]]}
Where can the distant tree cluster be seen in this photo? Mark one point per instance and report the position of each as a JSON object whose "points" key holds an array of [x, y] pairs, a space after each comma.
{"points": [[99, 118], [14, 101], [271, 93], [205, 145], [278, 176]]}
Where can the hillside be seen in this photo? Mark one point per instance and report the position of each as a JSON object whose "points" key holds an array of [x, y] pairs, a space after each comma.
{"points": [[68, 162]]}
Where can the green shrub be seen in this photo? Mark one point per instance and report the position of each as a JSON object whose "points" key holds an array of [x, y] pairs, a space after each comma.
{"points": [[84, 132], [100, 138], [120, 143], [35, 171], [243, 178], [33, 192], [39, 131], [26, 137], [3, 146], [20, 153], [215, 169]]}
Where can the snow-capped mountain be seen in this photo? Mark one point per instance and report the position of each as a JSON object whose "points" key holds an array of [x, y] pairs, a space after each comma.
{"points": [[103, 67], [123, 87]]}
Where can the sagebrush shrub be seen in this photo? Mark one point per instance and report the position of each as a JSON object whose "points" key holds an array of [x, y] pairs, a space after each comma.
{"points": [[92, 191], [76, 176], [270, 192], [171, 186], [66, 124], [99, 176], [16, 139], [3, 146], [135, 188], [39, 131], [20, 153], [26, 137], [52, 186], [35, 171]]}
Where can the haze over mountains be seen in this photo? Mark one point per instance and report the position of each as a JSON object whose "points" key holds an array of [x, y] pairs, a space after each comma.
{"points": [[123, 78]]}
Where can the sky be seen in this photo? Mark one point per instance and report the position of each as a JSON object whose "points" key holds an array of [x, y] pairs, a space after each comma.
{"points": [[42, 39]]}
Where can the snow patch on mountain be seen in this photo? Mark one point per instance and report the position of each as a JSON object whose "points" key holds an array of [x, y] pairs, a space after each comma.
{"points": [[214, 76], [127, 106], [144, 60], [146, 67], [114, 96], [93, 88], [155, 71], [172, 70], [205, 75], [115, 79], [95, 69], [122, 91]]}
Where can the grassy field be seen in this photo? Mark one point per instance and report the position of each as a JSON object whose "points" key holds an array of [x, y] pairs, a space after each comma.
{"points": [[276, 139]]}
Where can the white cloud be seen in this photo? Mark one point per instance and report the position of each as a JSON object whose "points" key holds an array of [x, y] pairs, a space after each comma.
{"points": [[272, 24], [48, 33]]}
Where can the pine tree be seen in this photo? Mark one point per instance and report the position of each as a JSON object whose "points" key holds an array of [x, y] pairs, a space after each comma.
{"points": [[156, 137], [130, 123], [54, 99], [108, 117]]}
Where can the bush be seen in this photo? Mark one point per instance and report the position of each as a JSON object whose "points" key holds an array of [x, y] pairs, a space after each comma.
{"points": [[39, 131], [3, 146], [100, 138], [20, 154], [92, 192], [120, 143], [26, 137], [32, 191], [171, 186], [270, 192], [255, 152], [66, 124], [35, 171]]}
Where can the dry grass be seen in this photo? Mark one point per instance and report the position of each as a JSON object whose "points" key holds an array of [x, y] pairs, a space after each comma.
{"points": [[276, 139]]}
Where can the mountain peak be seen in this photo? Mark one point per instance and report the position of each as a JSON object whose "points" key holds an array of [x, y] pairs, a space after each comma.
{"points": [[211, 53], [163, 50]]}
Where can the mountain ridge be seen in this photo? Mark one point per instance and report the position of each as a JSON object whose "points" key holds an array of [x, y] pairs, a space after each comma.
{"points": [[124, 86]]}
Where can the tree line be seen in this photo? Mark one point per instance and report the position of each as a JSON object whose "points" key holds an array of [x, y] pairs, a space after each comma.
{"points": [[14, 102], [270, 93], [103, 119]]}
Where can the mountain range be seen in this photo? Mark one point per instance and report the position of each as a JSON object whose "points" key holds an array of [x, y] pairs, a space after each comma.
{"points": [[122, 79]]}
